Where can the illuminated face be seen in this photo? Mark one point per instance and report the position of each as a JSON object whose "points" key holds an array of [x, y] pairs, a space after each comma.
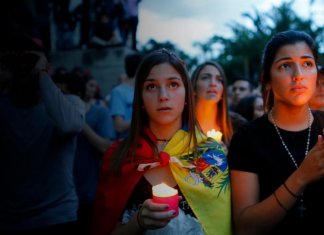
{"points": [[209, 85], [164, 97], [293, 74]]}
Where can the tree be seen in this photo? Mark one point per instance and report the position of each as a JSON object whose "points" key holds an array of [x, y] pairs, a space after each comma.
{"points": [[241, 54], [152, 45]]}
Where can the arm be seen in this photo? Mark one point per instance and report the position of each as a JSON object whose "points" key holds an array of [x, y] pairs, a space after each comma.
{"points": [[149, 216], [118, 110], [120, 124], [67, 112], [98, 142], [100, 134], [252, 216]]}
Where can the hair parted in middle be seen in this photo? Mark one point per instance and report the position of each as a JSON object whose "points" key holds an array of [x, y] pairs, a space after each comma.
{"points": [[140, 118]]}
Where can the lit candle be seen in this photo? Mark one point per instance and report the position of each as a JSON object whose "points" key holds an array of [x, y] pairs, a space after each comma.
{"points": [[164, 194], [216, 135]]}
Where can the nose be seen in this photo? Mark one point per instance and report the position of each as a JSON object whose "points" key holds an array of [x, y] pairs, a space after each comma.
{"points": [[297, 76], [163, 93], [213, 82], [236, 91]]}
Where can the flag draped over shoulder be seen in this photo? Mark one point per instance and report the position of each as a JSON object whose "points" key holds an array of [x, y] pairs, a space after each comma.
{"points": [[202, 176]]}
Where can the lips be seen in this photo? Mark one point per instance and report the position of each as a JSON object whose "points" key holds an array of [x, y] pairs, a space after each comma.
{"points": [[164, 109], [212, 91], [299, 88]]}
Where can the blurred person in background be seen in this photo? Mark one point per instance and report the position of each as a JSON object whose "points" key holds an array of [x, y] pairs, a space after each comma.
{"points": [[241, 87], [317, 101], [250, 107], [96, 137], [38, 136], [122, 95]]}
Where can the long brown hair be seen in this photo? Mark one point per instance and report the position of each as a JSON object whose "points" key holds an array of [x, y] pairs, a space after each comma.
{"points": [[139, 116], [223, 117]]}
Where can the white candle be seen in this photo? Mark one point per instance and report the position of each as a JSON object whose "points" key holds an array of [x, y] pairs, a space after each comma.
{"points": [[164, 194], [216, 135], [163, 190]]}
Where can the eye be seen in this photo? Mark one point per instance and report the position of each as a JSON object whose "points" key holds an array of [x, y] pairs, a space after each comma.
{"points": [[150, 87], [204, 77], [284, 66], [309, 64], [174, 84], [219, 79], [242, 88]]}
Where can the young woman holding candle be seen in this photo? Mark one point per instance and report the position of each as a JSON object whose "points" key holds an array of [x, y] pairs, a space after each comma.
{"points": [[277, 161], [164, 146], [210, 90]]}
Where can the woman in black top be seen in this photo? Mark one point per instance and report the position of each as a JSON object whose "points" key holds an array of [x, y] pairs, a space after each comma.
{"points": [[277, 161]]}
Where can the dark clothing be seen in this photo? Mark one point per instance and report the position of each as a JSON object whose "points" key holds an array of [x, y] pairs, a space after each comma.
{"points": [[37, 147], [66, 228], [104, 31], [257, 148], [237, 120]]}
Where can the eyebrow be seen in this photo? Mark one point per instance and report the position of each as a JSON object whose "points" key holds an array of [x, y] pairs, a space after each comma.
{"points": [[170, 78], [289, 58], [210, 74]]}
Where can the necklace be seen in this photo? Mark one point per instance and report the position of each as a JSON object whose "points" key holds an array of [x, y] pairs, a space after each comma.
{"points": [[301, 208]]}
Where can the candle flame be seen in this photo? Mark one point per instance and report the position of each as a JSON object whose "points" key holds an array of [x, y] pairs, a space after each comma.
{"points": [[216, 135]]}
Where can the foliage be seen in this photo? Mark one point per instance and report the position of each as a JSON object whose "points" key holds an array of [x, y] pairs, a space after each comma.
{"points": [[152, 45], [240, 55]]}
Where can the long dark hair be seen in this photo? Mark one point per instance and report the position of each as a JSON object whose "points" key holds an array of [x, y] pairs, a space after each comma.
{"points": [[276, 42], [139, 116], [223, 117]]}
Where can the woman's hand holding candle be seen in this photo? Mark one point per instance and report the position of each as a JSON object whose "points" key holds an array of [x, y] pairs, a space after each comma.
{"points": [[164, 194], [154, 215]]}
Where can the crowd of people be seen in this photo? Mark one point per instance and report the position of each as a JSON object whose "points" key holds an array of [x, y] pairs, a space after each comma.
{"points": [[66, 25], [73, 161]]}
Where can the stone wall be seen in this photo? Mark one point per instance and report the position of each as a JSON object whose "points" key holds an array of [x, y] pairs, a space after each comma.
{"points": [[105, 64]]}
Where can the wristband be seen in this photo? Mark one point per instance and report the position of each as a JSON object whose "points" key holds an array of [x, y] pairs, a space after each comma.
{"points": [[279, 203], [289, 191]]}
